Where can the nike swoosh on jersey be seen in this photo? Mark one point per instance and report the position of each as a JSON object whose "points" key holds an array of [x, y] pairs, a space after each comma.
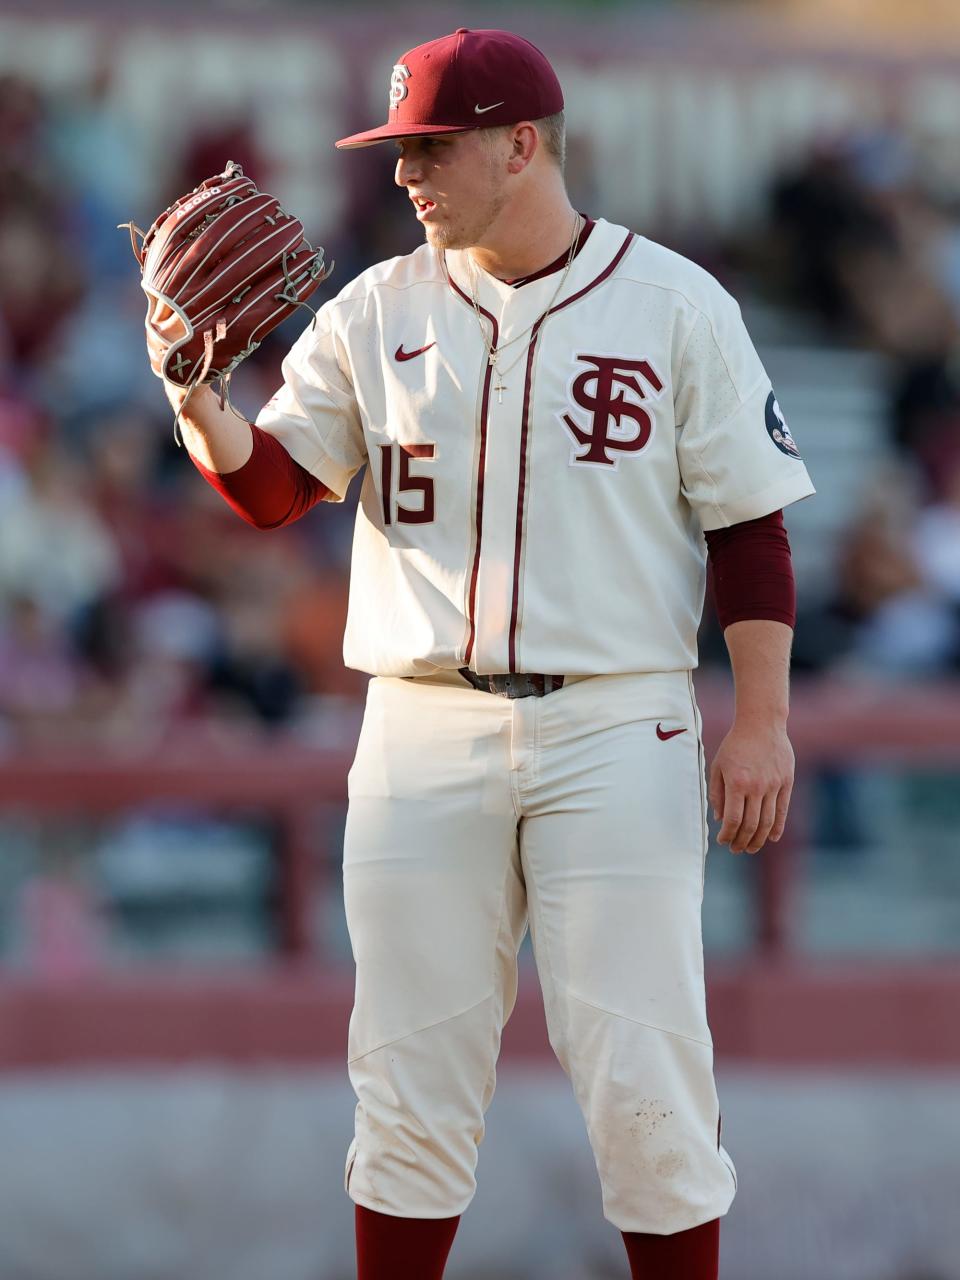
{"points": [[665, 734], [480, 110], [400, 354]]}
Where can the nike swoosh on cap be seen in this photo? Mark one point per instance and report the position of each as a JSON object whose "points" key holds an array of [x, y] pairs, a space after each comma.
{"points": [[664, 734], [400, 354], [480, 110]]}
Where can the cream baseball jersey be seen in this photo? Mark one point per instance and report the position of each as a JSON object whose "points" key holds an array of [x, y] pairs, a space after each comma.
{"points": [[546, 515]]}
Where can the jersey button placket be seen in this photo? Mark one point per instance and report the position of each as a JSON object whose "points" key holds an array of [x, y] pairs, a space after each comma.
{"points": [[509, 417], [474, 652]]}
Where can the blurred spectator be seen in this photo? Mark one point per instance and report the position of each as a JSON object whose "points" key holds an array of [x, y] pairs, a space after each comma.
{"points": [[936, 538], [61, 932], [175, 636], [217, 142], [21, 123], [312, 619], [856, 236], [124, 456], [103, 162], [817, 211], [53, 546], [888, 614], [40, 280], [38, 677], [252, 673], [866, 234], [98, 367]]}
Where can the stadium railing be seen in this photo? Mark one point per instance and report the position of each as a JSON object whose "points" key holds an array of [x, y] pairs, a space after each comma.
{"points": [[772, 1004]]}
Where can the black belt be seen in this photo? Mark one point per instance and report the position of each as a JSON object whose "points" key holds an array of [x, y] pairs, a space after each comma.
{"points": [[525, 684]]}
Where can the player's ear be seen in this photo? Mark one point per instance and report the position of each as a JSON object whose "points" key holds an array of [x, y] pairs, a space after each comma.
{"points": [[524, 144]]}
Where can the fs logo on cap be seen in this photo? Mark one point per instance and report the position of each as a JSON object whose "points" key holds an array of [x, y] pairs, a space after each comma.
{"points": [[398, 85]]}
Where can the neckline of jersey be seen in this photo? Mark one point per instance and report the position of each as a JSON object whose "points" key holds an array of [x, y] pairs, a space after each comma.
{"points": [[558, 263]]}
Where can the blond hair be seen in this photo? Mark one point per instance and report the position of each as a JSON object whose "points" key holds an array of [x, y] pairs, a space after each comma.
{"points": [[553, 136]]}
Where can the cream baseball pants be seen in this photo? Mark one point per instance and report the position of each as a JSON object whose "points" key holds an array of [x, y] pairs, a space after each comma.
{"points": [[580, 813]]}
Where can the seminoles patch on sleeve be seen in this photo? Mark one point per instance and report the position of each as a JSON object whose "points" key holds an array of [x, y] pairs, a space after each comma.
{"points": [[777, 429]]}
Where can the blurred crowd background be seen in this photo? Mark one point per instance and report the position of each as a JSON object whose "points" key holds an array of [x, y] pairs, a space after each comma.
{"points": [[135, 608], [816, 172], [131, 599]]}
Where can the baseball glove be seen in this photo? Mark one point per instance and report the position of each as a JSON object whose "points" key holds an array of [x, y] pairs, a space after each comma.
{"points": [[221, 267]]}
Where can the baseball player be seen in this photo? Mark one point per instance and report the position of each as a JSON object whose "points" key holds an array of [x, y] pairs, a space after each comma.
{"points": [[557, 420]]}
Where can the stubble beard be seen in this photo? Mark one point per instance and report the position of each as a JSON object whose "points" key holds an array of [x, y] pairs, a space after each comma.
{"points": [[445, 236]]}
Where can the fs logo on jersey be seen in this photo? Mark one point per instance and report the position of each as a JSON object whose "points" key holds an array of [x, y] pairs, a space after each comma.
{"points": [[398, 85], [777, 428], [617, 423]]}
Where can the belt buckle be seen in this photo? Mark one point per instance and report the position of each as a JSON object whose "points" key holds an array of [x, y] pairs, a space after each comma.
{"points": [[522, 684], [519, 685]]}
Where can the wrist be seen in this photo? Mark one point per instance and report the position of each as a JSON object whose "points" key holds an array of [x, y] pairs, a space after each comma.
{"points": [[752, 717], [177, 395]]}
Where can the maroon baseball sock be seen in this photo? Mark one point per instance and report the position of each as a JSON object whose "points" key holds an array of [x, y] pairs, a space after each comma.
{"points": [[686, 1255], [391, 1248]]}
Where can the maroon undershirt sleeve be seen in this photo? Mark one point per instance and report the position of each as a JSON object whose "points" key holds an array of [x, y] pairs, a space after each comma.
{"points": [[270, 489], [752, 571]]}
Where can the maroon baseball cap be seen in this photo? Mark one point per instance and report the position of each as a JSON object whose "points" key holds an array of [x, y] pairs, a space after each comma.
{"points": [[469, 80]]}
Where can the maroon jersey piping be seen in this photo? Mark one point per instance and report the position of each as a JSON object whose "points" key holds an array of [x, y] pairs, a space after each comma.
{"points": [[558, 263], [481, 468], [524, 434]]}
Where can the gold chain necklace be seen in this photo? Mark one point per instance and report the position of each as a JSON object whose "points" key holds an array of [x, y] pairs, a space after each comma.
{"points": [[493, 353]]}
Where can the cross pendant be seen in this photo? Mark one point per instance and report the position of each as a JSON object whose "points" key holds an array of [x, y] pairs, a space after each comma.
{"points": [[499, 389]]}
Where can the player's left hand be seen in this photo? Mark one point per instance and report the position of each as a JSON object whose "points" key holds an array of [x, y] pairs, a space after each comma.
{"points": [[751, 781]]}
